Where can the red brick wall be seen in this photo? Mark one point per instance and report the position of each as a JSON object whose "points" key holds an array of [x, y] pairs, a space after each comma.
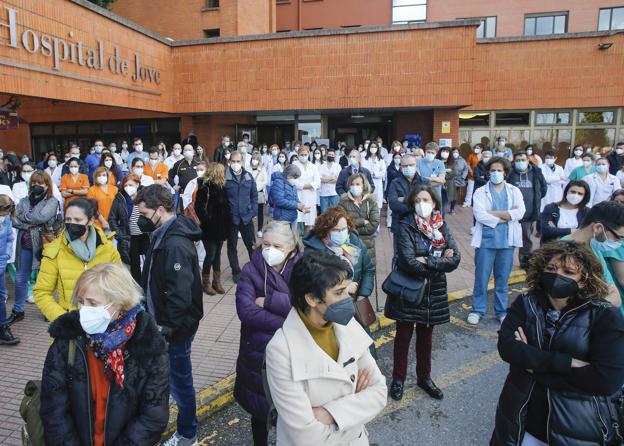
{"points": [[210, 128], [444, 115], [413, 122], [555, 73], [583, 14]]}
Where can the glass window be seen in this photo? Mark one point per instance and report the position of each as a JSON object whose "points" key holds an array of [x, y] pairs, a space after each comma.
{"points": [[472, 137], [550, 118], [516, 138], [309, 131], [596, 117], [88, 128], [522, 118], [474, 119], [409, 11], [559, 139], [65, 129], [540, 25], [595, 136], [611, 18], [41, 129], [487, 28]]}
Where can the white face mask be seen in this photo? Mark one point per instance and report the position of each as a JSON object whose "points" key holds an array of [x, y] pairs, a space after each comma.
{"points": [[477, 150], [227, 156], [455, 155], [102, 179], [424, 209], [177, 152], [549, 161], [200, 173], [73, 170], [26, 176], [273, 256], [444, 155], [573, 199], [153, 163], [281, 159], [317, 156], [373, 150], [130, 190], [188, 154], [124, 146], [139, 148], [52, 164], [95, 320], [138, 171], [236, 167], [108, 163], [254, 163]]}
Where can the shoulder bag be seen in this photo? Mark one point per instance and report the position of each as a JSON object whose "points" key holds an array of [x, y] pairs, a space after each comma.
{"points": [[409, 289]]}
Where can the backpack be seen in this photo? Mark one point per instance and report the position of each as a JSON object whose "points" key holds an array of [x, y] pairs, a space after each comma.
{"points": [[32, 430]]}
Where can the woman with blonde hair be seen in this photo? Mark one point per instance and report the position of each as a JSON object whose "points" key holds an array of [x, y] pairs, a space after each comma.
{"points": [[106, 375], [213, 209]]}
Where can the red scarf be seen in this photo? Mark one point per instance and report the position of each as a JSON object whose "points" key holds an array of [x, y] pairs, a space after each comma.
{"points": [[431, 228]]}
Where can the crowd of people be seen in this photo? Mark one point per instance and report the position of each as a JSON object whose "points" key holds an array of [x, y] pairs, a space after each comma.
{"points": [[118, 249]]}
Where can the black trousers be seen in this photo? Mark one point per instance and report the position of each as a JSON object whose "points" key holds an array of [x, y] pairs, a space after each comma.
{"points": [[213, 256], [138, 248], [259, 432], [249, 238]]}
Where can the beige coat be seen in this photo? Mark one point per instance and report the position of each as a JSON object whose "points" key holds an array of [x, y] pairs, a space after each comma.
{"points": [[302, 376]]}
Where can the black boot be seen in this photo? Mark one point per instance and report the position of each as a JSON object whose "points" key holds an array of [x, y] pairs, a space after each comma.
{"points": [[432, 390], [16, 316], [6, 337], [396, 390]]}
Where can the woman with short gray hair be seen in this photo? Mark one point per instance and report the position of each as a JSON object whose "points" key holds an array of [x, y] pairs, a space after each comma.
{"points": [[283, 196]]}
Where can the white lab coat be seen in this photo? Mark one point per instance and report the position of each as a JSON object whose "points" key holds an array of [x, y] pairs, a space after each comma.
{"points": [[302, 376], [482, 203], [555, 182], [260, 177], [600, 189], [309, 175], [56, 175], [20, 190], [571, 164], [378, 170]]}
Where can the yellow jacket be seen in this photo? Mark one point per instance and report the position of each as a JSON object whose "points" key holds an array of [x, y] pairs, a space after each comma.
{"points": [[60, 269]]}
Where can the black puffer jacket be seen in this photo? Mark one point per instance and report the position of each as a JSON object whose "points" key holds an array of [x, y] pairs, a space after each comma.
{"points": [[570, 406], [172, 275], [213, 209], [137, 414], [119, 222], [434, 309]]}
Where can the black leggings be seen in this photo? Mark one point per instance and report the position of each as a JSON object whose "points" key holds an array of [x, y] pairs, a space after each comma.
{"points": [[138, 247], [259, 432], [260, 216], [213, 256]]}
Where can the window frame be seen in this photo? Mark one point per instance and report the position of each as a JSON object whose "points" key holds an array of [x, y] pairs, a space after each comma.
{"points": [[412, 3], [484, 22], [555, 112], [554, 16], [610, 9]]}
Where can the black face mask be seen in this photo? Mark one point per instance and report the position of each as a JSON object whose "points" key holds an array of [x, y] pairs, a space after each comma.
{"points": [[331, 159], [75, 230], [37, 190], [146, 225], [558, 286]]}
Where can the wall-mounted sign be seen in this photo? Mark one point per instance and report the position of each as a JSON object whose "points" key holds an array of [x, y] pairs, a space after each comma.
{"points": [[446, 126], [69, 50], [446, 142], [8, 120]]}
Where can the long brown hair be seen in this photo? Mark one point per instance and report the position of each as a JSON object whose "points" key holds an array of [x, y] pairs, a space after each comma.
{"points": [[591, 285], [215, 173], [41, 177]]}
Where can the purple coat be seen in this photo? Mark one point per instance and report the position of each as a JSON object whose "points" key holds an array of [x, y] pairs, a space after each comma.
{"points": [[258, 325]]}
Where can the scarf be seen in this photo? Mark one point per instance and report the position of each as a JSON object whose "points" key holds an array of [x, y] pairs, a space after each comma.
{"points": [[347, 251], [108, 346], [431, 228], [85, 251]]}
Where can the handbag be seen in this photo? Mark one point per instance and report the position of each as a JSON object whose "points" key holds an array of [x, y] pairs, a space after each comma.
{"points": [[364, 312], [408, 289], [189, 211], [52, 229]]}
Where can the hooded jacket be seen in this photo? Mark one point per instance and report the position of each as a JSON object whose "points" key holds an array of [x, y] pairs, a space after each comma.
{"points": [[258, 325], [538, 182], [283, 198], [171, 273], [136, 414], [60, 269], [366, 210], [242, 195]]}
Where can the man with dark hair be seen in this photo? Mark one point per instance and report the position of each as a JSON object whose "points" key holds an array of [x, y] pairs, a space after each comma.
{"points": [[172, 284], [603, 230], [530, 180], [219, 152], [93, 160], [183, 171], [616, 158], [137, 145]]}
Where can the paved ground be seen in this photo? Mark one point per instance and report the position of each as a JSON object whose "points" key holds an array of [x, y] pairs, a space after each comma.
{"points": [[216, 344], [466, 366]]}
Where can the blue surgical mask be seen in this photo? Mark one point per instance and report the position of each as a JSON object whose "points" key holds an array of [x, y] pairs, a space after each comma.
{"points": [[303, 158], [429, 157], [339, 237], [397, 161], [521, 166], [497, 177], [340, 312], [409, 171], [606, 245], [602, 168], [356, 191]]}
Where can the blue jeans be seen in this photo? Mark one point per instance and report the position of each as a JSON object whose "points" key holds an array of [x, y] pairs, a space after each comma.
{"points": [[22, 277], [3, 293], [182, 389], [500, 261], [329, 202]]}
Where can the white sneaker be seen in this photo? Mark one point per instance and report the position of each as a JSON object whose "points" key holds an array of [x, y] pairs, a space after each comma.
{"points": [[465, 205], [30, 300], [259, 234], [178, 440], [473, 319]]}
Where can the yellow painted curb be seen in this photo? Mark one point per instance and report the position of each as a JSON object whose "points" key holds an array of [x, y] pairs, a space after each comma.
{"points": [[213, 398]]}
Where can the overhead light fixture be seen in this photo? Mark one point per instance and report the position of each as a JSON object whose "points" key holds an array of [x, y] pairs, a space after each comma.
{"points": [[605, 45], [357, 116]]}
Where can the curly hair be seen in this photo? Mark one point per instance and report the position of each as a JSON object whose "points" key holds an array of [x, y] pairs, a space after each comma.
{"points": [[591, 285], [329, 219]]}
